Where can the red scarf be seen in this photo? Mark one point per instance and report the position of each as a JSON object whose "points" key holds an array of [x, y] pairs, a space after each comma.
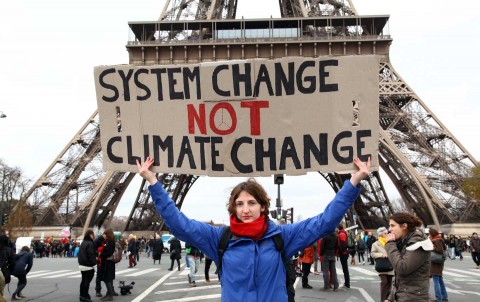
{"points": [[436, 237], [253, 230]]}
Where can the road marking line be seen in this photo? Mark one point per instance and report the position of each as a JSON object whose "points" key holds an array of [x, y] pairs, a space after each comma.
{"points": [[183, 282], [143, 272], [49, 273], [63, 275], [37, 272], [453, 274], [464, 271], [128, 270], [196, 298], [187, 289], [364, 271], [367, 297], [454, 285], [152, 287], [339, 272]]}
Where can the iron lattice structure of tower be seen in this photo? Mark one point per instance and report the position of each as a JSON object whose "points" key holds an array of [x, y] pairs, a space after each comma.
{"points": [[422, 158]]}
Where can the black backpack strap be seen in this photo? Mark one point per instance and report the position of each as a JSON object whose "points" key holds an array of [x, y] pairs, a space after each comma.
{"points": [[278, 240], [291, 275], [223, 245]]}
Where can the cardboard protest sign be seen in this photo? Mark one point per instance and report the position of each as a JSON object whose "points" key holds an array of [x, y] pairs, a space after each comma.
{"points": [[240, 118]]}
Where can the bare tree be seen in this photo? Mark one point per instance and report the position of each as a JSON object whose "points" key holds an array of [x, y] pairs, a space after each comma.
{"points": [[13, 185]]}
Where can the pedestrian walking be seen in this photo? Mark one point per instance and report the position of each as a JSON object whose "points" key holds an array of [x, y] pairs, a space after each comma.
{"points": [[208, 263], [351, 246], [132, 249], [436, 269], [87, 261], [175, 252], [343, 254], [316, 258], [459, 246], [328, 250], [380, 254], [157, 249], [252, 269], [370, 240], [361, 248], [7, 263], [451, 246], [106, 267], [98, 243], [307, 259], [409, 253], [475, 249], [193, 255], [23, 265]]}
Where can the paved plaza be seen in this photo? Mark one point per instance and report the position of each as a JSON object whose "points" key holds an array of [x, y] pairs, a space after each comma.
{"points": [[58, 280]]}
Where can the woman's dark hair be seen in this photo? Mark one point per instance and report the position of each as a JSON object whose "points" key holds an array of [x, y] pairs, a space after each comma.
{"points": [[404, 217], [26, 249], [252, 187], [87, 235], [3, 241], [432, 232], [109, 235]]}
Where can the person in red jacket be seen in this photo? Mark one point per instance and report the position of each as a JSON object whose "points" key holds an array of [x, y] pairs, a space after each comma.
{"points": [[307, 260], [343, 253]]}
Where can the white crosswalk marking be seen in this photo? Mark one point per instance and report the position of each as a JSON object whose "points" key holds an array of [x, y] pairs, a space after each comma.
{"points": [[463, 271], [63, 275], [186, 289], [183, 282], [364, 271], [196, 298], [143, 272], [128, 270], [453, 274], [36, 272], [49, 273]]}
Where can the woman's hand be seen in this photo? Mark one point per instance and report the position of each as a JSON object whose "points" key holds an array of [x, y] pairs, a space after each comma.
{"points": [[390, 237], [145, 172], [362, 173]]}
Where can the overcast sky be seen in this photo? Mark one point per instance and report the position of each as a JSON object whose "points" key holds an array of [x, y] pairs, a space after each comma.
{"points": [[49, 48]]}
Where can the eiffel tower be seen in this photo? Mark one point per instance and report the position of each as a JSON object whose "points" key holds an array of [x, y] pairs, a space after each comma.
{"points": [[425, 162]]}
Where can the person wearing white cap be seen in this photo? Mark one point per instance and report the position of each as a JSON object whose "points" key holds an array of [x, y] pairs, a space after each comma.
{"points": [[380, 254]]}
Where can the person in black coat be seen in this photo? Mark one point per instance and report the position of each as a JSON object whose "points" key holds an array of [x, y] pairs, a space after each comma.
{"points": [[175, 252], [157, 249], [106, 268], [23, 265], [7, 262], [87, 260]]}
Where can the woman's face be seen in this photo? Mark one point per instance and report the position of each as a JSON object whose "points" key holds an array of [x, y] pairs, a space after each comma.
{"points": [[399, 230], [247, 207]]}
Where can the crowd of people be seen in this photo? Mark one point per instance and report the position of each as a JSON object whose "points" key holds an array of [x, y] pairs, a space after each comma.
{"points": [[255, 257]]}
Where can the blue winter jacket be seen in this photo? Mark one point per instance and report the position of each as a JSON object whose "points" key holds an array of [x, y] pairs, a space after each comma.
{"points": [[254, 271]]}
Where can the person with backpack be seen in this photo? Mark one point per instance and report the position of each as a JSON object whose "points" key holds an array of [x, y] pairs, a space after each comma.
{"points": [[87, 260], [252, 268], [361, 248], [328, 250], [193, 255], [351, 246], [175, 252], [23, 265]]}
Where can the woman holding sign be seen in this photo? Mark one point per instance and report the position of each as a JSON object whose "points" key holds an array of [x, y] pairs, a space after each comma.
{"points": [[252, 268]]}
